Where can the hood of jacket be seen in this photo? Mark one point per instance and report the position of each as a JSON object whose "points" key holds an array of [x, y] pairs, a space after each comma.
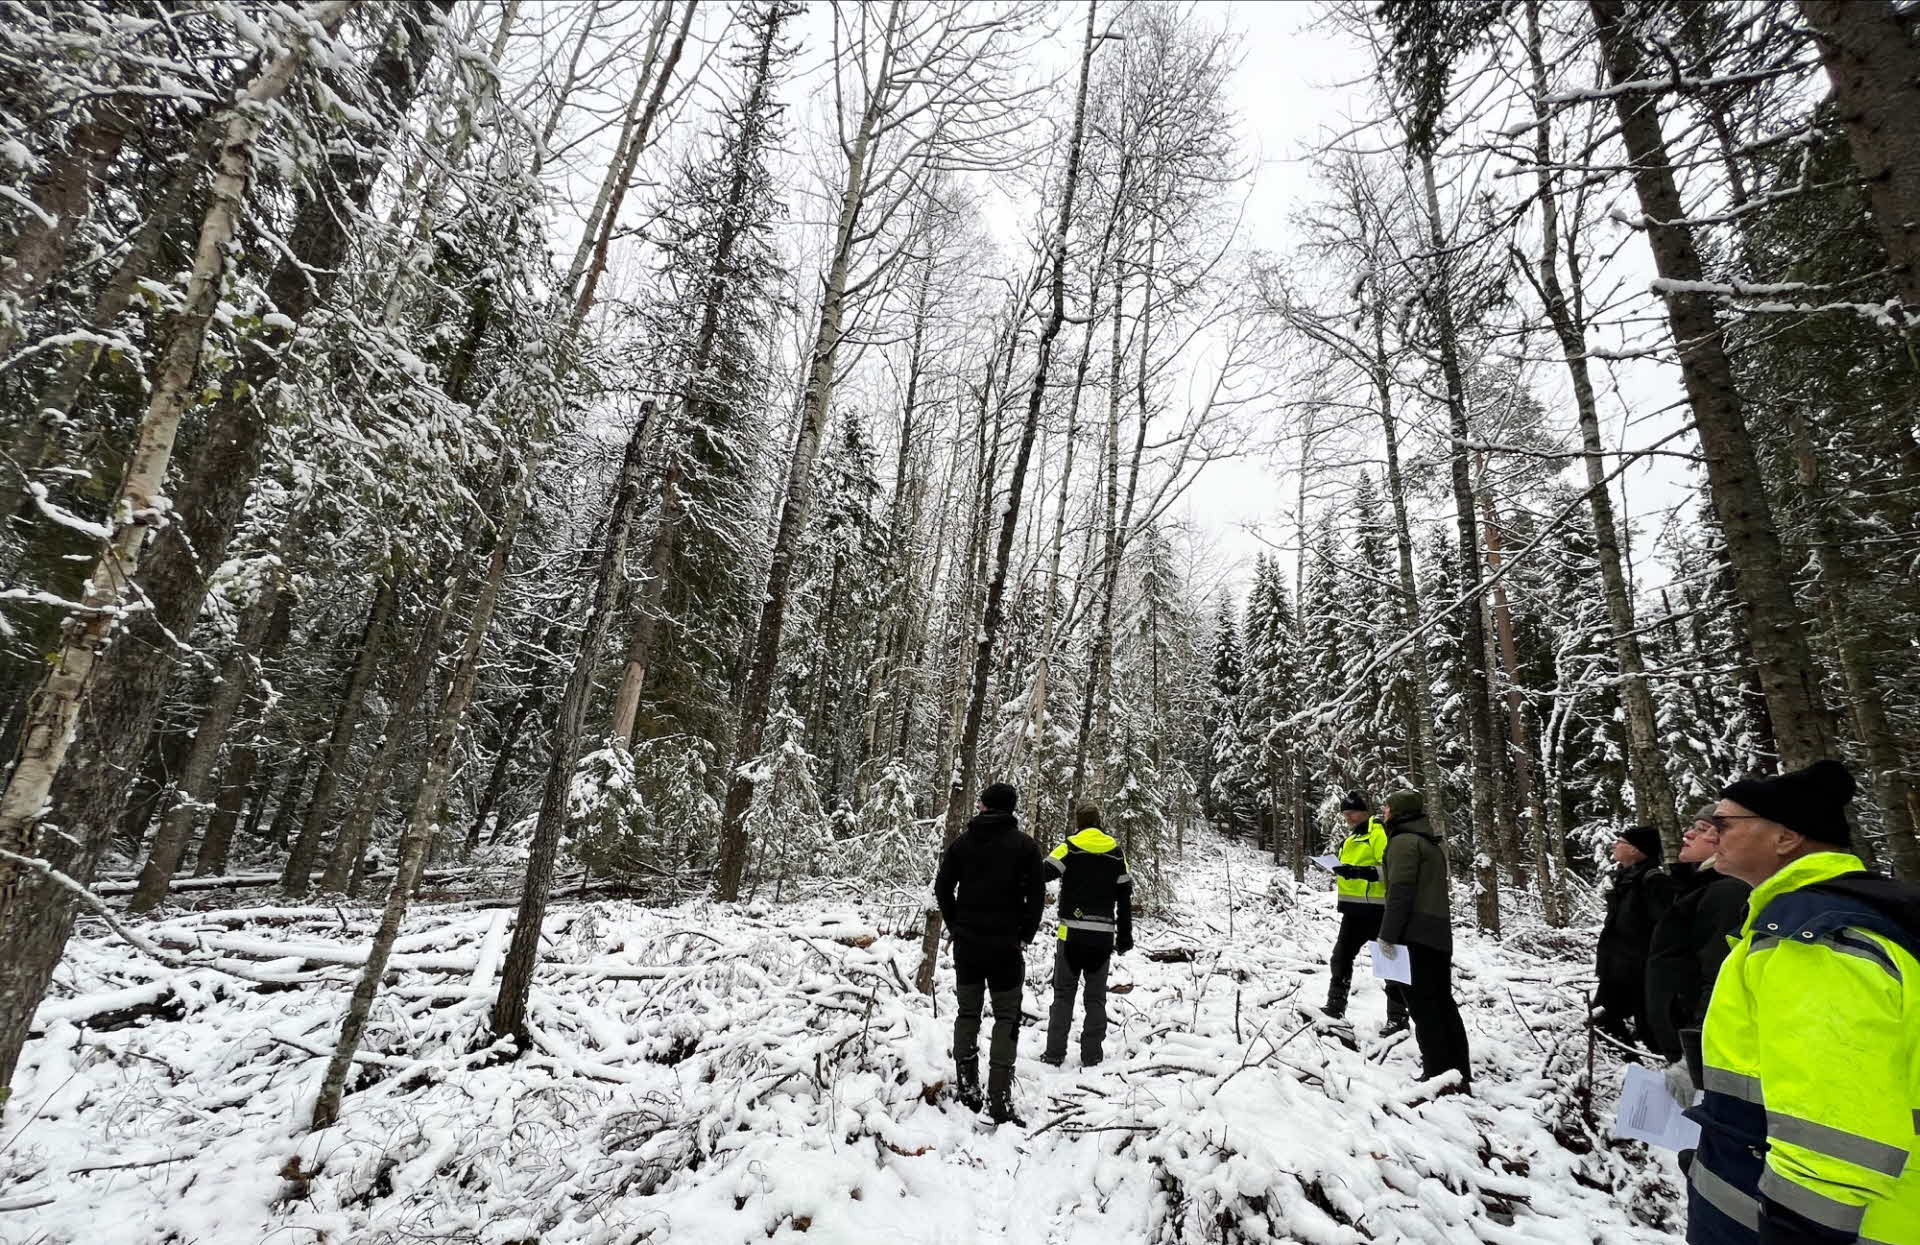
{"points": [[1093, 839], [1416, 824]]}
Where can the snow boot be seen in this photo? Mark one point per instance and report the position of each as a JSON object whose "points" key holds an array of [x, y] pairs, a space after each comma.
{"points": [[1337, 986], [1000, 1109], [1052, 1060], [966, 1086]]}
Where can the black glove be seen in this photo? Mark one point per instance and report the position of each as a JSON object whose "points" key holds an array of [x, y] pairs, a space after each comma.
{"points": [[1347, 871]]}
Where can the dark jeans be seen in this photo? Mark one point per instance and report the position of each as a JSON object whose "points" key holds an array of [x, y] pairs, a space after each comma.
{"points": [[1358, 927], [1069, 970], [1437, 1027], [976, 970]]}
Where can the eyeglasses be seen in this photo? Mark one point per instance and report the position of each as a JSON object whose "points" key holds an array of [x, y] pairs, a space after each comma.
{"points": [[1719, 821]]}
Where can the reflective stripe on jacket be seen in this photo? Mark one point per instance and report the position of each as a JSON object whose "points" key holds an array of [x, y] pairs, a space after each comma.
{"points": [[1364, 849], [1095, 888], [1810, 1127]]}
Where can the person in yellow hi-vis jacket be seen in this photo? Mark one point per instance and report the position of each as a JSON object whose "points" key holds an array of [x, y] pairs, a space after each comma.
{"points": [[1361, 898], [1810, 1054], [1096, 924]]}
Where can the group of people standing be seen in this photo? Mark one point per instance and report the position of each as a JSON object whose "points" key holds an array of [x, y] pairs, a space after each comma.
{"points": [[1780, 980], [1777, 976]]}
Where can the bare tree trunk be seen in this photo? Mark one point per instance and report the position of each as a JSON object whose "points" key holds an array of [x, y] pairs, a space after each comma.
{"points": [[426, 803], [1519, 734], [757, 689], [1800, 718], [637, 142], [294, 878], [509, 1017], [1868, 47], [1652, 787], [1010, 521], [231, 796], [1419, 670]]}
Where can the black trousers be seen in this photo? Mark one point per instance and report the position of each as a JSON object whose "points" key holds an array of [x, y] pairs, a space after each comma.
{"points": [[1622, 1001], [1437, 1027], [977, 971], [1358, 927]]}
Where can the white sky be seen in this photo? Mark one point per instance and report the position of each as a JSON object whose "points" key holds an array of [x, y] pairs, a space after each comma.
{"points": [[1299, 82]]}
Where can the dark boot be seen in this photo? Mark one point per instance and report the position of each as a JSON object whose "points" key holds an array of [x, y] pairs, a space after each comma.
{"points": [[1000, 1110], [1338, 983], [966, 1086], [1396, 1010]]}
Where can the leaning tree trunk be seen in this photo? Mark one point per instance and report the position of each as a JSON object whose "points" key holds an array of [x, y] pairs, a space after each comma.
{"points": [[757, 688], [1800, 718], [523, 953], [419, 833], [35, 913], [1010, 518], [294, 878], [1868, 47], [1486, 836], [1654, 799]]}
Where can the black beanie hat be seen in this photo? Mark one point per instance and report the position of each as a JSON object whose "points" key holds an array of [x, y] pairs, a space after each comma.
{"points": [[1810, 801], [1646, 838], [1356, 802], [999, 798]]}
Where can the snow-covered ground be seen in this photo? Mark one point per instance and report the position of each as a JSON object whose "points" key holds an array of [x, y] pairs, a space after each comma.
{"points": [[742, 1073]]}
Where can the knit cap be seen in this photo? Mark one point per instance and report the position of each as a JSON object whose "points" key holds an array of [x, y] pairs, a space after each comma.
{"points": [[999, 798], [1810, 801], [1646, 838], [1356, 802]]}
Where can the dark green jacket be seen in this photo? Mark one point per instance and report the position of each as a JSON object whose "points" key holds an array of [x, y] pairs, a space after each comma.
{"points": [[1419, 904]]}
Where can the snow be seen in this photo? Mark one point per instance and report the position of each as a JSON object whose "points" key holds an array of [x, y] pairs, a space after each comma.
{"points": [[742, 1073]]}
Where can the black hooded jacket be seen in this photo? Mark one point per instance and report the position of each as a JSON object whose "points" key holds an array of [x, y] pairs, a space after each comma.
{"points": [[1684, 954], [991, 887]]}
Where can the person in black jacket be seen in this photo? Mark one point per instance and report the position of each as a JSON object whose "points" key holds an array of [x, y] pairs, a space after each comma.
{"points": [[1690, 940], [1636, 901], [1096, 923], [992, 893]]}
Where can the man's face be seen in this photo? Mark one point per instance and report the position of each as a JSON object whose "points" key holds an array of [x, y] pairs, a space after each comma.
{"points": [[1699, 842], [1356, 817], [1752, 848], [1625, 853]]}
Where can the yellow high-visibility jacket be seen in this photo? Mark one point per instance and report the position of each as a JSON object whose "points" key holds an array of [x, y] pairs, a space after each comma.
{"points": [[1363, 850], [1811, 1066]]}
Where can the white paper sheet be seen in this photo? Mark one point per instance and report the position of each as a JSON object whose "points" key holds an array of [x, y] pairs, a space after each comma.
{"points": [[1649, 1113], [1399, 968], [1325, 862]]}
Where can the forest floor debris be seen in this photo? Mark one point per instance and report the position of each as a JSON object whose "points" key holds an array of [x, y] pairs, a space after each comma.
{"points": [[742, 1073]]}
